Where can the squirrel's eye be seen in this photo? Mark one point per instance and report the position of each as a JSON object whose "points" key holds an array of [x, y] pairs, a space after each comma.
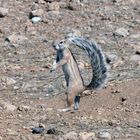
{"points": [[61, 42]]}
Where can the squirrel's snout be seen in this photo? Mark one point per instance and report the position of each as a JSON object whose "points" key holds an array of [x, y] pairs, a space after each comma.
{"points": [[56, 47]]}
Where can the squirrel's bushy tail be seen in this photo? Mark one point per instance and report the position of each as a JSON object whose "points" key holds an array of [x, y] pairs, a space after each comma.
{"points": [[99, 67]]}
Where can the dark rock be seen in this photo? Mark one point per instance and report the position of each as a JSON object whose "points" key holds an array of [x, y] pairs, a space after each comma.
{"points": [[52, 131], [38, 130], [137, 52], [123, 99]]}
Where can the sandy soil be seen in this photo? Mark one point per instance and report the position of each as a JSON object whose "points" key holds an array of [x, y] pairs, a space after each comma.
{"points": [[30, 95]]}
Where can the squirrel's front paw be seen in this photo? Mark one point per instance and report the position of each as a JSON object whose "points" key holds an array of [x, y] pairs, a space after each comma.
{"points": [[53, 67], [51, 70]]}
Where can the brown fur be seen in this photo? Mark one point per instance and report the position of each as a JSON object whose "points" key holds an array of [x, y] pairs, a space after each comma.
{"points": [[72, 75]]}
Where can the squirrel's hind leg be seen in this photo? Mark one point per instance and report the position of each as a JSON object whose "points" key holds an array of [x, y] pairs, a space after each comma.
{"points": [[72, 101], [76, 102]]}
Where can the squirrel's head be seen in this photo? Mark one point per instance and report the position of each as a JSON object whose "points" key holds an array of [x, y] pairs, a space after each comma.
{"points": [[63, 44]]}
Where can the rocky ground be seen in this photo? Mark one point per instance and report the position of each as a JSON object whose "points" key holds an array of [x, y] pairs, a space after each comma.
{"points": [[30, 95]]}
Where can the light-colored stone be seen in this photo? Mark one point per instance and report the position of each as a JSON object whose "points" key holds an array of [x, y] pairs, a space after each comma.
{"points": [[24, 108], [139, 63], [137, 21], [71, 136], [135, 36], [49, 109], [111, 57], [122, 32], [42, 125], [3, 12], [119, 62], [137, 49], [104, 135], [30, 86], [86, 136], [48, 88], [11, 132], [75, 5], [37, 13], [51, 15], [16, 39], [10, 81], [86, 93], [15, 87], [36, 19], [100, 110], [64, 84], [135, 58], [54, 6], [7, 81], [7, 106], [73, 32], [41, 1]]}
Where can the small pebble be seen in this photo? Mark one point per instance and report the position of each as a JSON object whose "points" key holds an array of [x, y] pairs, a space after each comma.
{"points": [[36, 19]]}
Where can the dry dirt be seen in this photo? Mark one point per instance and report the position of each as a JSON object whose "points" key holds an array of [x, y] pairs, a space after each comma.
{"points": [[30, 95]]}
